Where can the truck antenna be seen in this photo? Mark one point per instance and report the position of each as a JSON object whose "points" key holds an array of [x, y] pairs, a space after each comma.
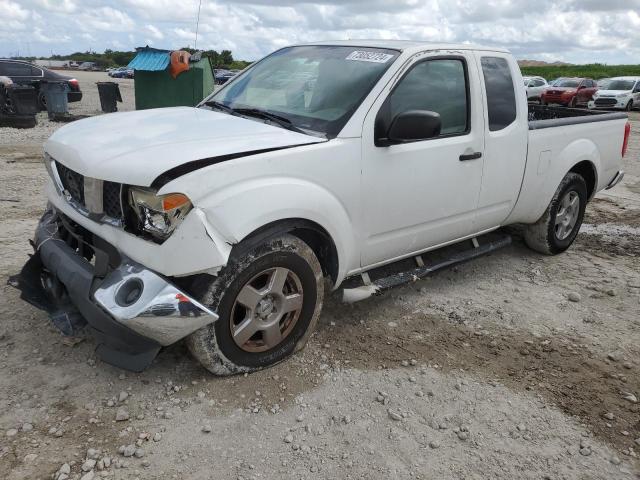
{"points": [[195, 45]]}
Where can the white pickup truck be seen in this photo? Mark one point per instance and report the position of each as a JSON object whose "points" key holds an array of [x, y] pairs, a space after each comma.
{"points": [[319, 164]]}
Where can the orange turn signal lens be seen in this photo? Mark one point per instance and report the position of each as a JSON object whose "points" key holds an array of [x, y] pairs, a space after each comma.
{"points": [[174, 200]]}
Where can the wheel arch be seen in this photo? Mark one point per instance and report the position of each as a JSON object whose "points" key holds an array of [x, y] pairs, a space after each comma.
{"points": [[587, 170], [310, 232]]}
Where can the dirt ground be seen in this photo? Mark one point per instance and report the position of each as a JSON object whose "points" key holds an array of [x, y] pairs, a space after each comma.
{"points": [[485, 371]]}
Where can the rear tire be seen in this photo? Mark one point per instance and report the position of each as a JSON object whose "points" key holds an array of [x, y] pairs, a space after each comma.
{"points": [[558, 227], [42, 101], [268, 299]]}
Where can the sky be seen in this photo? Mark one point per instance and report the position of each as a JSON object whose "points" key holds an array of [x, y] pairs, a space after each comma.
{"points": [[576, 31]]}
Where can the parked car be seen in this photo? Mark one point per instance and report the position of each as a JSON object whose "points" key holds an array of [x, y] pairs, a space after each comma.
{"points": [[122, 72], [534, 86], [226, 217], [26, 73], [570, 92], [88, 66], [223, 76], [620, 93]]}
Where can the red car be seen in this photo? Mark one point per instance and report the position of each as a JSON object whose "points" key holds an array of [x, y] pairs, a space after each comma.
{"points": [[570, 92]]}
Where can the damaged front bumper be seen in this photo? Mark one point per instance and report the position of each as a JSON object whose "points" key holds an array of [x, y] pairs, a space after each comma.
{"points": [[131, 310]]}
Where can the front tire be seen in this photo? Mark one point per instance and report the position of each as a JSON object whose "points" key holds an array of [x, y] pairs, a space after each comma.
{"points": [[558, 227], [629, 106], [268, 299]]}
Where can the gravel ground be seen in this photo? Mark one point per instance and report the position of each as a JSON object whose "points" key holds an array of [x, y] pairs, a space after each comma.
{"points": [[513, 366]]}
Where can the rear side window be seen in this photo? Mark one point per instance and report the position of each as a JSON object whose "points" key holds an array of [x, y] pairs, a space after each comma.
{"points": [[438, 85], [13, 69], [501, 96]]}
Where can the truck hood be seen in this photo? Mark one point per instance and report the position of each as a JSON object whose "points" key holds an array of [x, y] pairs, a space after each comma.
{"points": [[136, 147]]}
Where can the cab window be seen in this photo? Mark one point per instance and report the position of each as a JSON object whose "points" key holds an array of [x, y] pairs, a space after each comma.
{"points": [[437, 85], [501, 96]]}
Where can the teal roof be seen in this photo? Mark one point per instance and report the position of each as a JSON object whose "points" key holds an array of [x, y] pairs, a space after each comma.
{"points": [[150, 60]]}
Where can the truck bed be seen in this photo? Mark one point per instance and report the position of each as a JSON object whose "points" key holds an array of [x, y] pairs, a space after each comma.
{"points": [[544, 116], [560, 139]]}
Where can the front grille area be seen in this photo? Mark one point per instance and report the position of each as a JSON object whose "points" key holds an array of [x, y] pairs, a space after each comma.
{"points": [[112, 199], [602, 102], [72, 182]]}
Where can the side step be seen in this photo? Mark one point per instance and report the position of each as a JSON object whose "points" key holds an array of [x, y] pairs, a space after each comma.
{"points": [[376, 281]]}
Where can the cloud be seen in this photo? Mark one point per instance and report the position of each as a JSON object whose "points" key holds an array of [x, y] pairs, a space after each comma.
{"points": [[154, 32], [65, 6], [572, 30]]}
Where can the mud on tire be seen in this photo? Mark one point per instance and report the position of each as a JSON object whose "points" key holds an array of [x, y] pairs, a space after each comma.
{"points": [[216, 345], [542, 236]]}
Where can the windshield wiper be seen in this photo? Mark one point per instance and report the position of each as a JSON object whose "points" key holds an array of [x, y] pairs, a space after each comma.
{"points": [[274, 117], [220, 106]]}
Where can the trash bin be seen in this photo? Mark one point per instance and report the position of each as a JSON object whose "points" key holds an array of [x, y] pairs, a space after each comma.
{"points": [[55, 94], [109, 94]]}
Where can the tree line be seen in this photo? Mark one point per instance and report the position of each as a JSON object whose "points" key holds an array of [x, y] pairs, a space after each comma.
{"points": [[595, 71], [114, 58]]}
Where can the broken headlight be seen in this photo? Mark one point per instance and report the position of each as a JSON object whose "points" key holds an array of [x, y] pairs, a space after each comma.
{"points": [[158, 215]]}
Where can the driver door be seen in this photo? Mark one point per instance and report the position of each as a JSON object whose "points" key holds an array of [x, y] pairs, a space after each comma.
{"points": [[423, 193], [586, 91]]}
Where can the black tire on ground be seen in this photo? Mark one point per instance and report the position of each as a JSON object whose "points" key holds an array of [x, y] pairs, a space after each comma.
{"points": [[251, 271], [546, 236], [629, 106], [573, 103], [42, 101]]}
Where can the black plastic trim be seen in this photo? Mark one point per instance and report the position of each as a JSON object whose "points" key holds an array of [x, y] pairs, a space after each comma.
{"points": [[591, 117]]}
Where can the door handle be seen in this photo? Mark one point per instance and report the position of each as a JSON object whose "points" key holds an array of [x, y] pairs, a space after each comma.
{"points": [[470, 156]]}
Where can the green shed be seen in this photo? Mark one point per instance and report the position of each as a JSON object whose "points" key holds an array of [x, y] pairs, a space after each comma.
{"points": [[155, 87]]}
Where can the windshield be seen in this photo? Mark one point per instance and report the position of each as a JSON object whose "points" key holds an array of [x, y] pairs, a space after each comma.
{"points": [[621, 85], [568, 83], [316, 88]]}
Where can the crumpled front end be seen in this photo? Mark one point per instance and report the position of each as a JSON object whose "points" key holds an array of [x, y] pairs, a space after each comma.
{"points": [[131, 310]]}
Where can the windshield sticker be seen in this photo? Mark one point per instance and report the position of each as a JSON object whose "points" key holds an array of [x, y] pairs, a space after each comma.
{"points": [[375, 57]]}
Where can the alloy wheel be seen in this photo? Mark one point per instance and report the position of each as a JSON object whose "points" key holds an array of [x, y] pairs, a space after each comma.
{"points": [[567, 215], [266, 309]]}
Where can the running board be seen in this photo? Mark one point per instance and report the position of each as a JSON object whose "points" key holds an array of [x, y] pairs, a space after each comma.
{"points": [[453, 255]]}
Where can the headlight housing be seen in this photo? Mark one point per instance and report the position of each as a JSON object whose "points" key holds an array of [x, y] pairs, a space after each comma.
{"points": [[158, 215], [623, 95]]}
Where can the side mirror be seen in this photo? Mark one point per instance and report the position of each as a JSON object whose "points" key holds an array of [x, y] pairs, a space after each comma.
{"points": [[412, 125], [582, 87]]}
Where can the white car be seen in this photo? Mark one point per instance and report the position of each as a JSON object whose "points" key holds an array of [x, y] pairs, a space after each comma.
{"points": [[535, 87], [222, 224], [620, 93]]}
